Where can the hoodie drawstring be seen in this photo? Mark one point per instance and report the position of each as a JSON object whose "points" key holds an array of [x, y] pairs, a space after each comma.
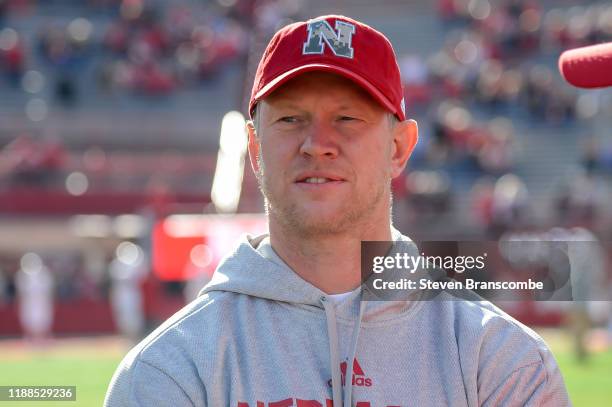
{"points": [[350, 368], [332, 330]]}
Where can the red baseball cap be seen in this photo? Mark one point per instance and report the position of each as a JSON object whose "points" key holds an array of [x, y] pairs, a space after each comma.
{"points": [[334, 44]]}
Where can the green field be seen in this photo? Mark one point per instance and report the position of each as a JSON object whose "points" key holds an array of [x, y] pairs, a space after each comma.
{"points": [[589, 384], [90, 363], [87, 364]]}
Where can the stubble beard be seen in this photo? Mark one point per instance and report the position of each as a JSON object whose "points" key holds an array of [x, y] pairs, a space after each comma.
{"points": [[294, 219]]}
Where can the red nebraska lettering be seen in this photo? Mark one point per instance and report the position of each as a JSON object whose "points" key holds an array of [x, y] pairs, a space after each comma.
{"points": [[301, 403], [282, 403]]}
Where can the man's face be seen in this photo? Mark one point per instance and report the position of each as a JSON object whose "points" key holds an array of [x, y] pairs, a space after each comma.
{"points": [[324, 154]]}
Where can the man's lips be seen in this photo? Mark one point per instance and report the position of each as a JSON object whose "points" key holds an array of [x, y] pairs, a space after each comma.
{"points": [[317, 178]]}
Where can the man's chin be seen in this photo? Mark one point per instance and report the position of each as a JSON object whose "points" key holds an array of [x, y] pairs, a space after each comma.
{"points": [[320, 228], [319, 221]]}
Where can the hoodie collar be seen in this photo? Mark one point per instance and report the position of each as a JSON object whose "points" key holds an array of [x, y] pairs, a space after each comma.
{"points": [[246, 271]]}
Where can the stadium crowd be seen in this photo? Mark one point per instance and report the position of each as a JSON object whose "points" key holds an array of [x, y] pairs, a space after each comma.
{"points": [[495, 72], [494, 75], [151, 48]]}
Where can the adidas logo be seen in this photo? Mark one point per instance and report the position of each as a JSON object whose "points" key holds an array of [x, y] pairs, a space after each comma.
{"points": [[358, 378]]}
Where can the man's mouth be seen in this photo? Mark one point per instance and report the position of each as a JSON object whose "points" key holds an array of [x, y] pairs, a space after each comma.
{"points": [[317, 180], [316, 177]]}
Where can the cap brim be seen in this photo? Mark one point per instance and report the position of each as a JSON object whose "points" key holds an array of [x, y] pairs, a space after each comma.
{"points": [[364, 83]]}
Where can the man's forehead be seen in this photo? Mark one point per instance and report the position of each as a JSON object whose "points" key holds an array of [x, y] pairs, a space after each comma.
{"points": [[322, 83]]}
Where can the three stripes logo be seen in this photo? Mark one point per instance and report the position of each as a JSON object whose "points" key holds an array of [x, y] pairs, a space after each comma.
{"points": [[358, 378]]}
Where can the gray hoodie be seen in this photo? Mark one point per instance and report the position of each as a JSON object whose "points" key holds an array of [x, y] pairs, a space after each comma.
{"points": [[260, 336]]}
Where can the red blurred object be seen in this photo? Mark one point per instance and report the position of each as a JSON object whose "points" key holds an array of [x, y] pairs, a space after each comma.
{"points": [[588, 67], [171, 254], [186, 246]]}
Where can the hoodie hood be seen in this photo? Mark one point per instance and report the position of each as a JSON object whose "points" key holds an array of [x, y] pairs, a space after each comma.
{"points": [[246, 271]]}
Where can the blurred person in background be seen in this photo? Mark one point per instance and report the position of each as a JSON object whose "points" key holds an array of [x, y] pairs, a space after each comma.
{"points": [[12, 55], [285, 319], [35, 287], [588, 282], [127, 272], [509, 206], [576, 264]]}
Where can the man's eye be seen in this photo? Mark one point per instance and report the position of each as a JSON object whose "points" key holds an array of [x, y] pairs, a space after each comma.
{"points": [[288, 119], [347, 118]]}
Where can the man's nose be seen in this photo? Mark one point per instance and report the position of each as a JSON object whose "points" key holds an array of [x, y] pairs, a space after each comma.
{"points": [[320, 141]]}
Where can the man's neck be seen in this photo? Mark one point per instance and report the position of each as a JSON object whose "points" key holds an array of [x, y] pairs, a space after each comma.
{"points": [[330, 262]]}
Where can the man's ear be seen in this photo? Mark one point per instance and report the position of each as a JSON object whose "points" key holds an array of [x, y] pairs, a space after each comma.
{"points": [[254, 148], [405, 137]]}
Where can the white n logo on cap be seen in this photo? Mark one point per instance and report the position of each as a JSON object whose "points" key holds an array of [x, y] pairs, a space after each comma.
{"points": [[340, 43]]}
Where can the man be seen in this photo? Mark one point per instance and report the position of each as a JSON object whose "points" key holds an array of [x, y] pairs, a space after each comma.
{"points": [[34, 283], [281, 323]]}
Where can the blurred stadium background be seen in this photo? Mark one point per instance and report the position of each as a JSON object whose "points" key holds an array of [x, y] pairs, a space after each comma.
{"points": [[110, 122]]}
